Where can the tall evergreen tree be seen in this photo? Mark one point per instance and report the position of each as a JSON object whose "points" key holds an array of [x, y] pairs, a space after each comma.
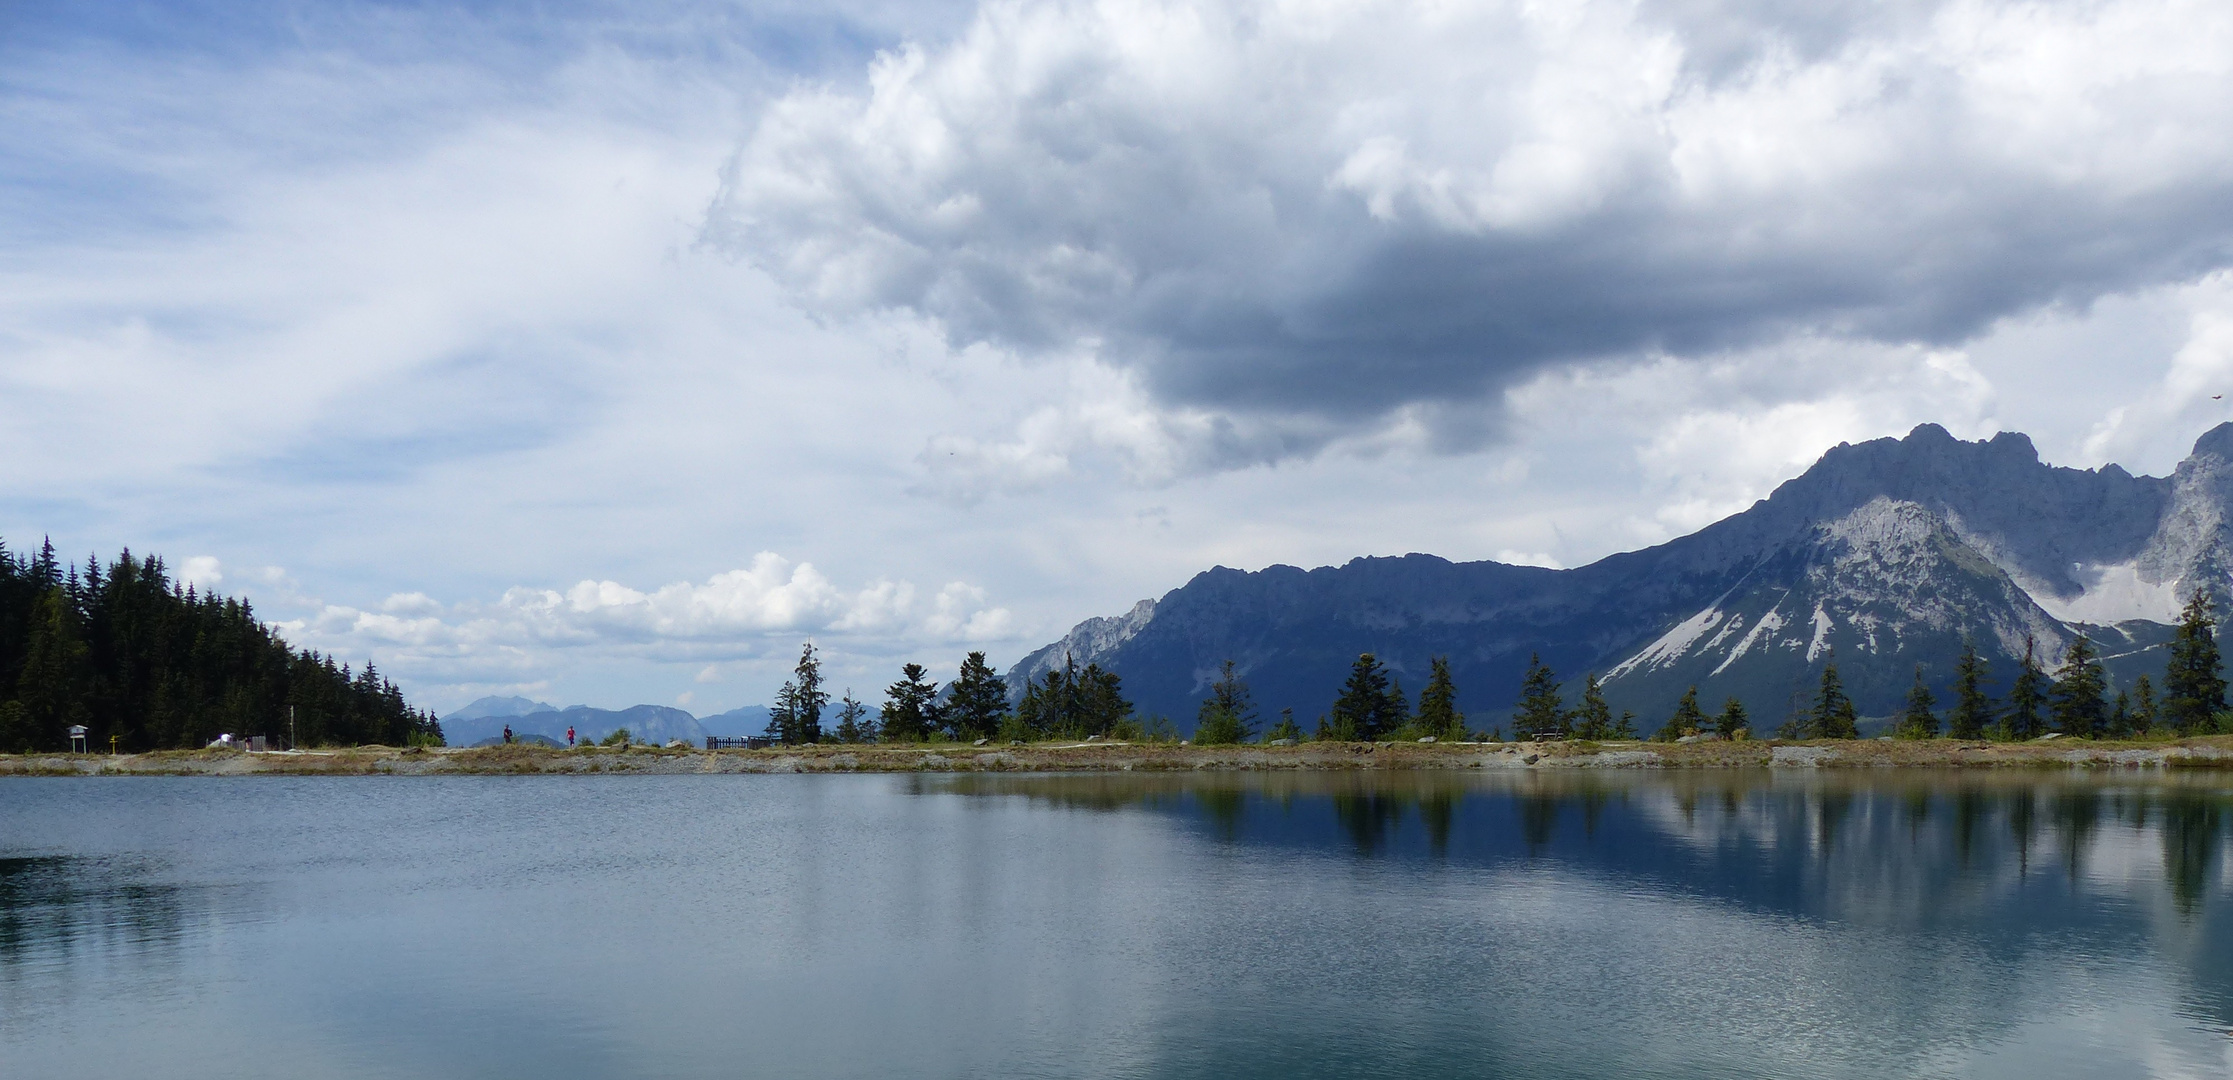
{"points": [[796, 716], [976, 701], [1973, 709], [1919, 721], [1365, 711], [1593, 717], [1732, 722], [1228, 715], [1833, 716], [851, 727], [2145, 714], [2026, 697], [1438, 704], [910, 710], [1285, 729], [2193, 685], [2120, 716], [1541, 710], [1689, 719], [2079, 708]]}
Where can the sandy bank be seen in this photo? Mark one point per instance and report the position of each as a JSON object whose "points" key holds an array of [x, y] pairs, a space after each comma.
{"points": [[2215, 751]]}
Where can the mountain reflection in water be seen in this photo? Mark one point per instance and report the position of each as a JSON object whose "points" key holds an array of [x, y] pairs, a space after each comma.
{"points": [[1679, 924]]}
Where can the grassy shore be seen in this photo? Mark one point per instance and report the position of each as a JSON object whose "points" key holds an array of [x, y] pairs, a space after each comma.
{"points": [[2211, 752]]}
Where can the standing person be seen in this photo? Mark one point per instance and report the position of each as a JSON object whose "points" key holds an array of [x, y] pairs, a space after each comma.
{"points": [[507, 734], [569, 736]]}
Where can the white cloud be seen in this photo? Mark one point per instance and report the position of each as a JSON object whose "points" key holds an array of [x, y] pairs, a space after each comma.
{"points": [[1342, 210]]}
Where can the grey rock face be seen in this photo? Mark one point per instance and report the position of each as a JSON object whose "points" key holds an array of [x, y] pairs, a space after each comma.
{"points": [[1886, 555]]}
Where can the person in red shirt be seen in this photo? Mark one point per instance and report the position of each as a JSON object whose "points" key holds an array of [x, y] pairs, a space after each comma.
{"points": [[569, 736]]}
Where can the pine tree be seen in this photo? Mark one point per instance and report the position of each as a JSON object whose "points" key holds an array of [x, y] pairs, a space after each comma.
{"points": [[1919, 721], [1689, 719], [796, 716], [1228, 715], [1541, 711], [1732, 722], [2144, 710], [910, 710], [2078, 706], [1973, 710], [1833, 716], [850, 728], [976, 701], [1626, 728], [1364, 712], [2026, 697], [2193, 687], [1593, 718], [2120, 716], [1438, 704], [1285, 729]]}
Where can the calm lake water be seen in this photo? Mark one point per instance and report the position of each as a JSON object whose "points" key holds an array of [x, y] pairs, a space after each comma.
{"points": [[1728, 925]]}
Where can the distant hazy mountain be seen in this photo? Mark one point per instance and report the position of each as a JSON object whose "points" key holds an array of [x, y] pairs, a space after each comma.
{"points": [[646, 723], [1889, 553], [499, 706], [749, 720]]}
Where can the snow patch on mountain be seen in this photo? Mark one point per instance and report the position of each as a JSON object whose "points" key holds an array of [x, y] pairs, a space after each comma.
{"points": [[1673, 644], [1762, 632], [1822, 625]]}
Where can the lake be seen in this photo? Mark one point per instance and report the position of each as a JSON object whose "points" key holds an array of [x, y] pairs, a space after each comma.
{"points": [[1787, 924]]}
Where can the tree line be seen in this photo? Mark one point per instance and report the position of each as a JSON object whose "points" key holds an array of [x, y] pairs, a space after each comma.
{"points": [[1070, 702], [128, 653]]}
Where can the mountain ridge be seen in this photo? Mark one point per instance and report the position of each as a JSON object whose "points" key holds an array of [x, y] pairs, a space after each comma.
{"points": [[1886, 553]]}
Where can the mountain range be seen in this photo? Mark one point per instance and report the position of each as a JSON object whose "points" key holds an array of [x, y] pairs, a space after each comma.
{"points": [[1886, 555], [486, 719]]}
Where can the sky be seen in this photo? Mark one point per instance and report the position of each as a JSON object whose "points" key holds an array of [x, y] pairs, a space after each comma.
{"points": [[607, 352]]}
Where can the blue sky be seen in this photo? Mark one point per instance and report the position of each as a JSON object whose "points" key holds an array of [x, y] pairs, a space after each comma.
{"points": [[602, 352]]}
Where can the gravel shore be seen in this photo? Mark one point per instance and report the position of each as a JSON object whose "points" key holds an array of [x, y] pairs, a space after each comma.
{"points": [[2214, 751]]}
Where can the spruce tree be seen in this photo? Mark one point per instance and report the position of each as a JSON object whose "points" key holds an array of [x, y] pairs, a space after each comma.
{"points": [[2026, 698], [1833, 716], [976, 701], [1228, 715], [1732, 722], [910, 710], [1973, 710], [850, 728], [1593, 718], [2193, 686], [1919, 721], [1438, 704], [1541, 711], [1285, 729], [2120, 716], [1626, 728], [1689, 719], [2079, 687], [796, 716], [2144, 711], [1364, 712]]}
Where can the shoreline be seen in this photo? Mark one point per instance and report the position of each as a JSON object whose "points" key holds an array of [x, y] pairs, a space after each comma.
{"points": [[2202, 752]]}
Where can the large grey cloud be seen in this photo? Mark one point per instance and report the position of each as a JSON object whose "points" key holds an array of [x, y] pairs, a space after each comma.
{"points": [[1324, 211]]}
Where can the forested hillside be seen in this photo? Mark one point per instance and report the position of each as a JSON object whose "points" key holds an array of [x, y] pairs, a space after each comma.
{"points": [[125, 651]]}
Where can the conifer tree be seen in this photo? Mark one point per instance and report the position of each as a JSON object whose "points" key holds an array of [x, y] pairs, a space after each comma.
{"points": [[1365, 711], [1541, 711], [976, 701], [1689, 719], [1919, 721], [2145, 713], [1626, 728], [796, 716], [1438, 704], [910, 710], [2193, 686], [1593, 718], [1973, 710], [2120, 716], [850, 726], [2026, 697], [1833, 716], [2079, 686], [1285, 729], [1228, 715], [1732, 721]]}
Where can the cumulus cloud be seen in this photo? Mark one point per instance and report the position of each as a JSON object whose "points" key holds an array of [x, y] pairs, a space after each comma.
{"points": [[1305, 218]]}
